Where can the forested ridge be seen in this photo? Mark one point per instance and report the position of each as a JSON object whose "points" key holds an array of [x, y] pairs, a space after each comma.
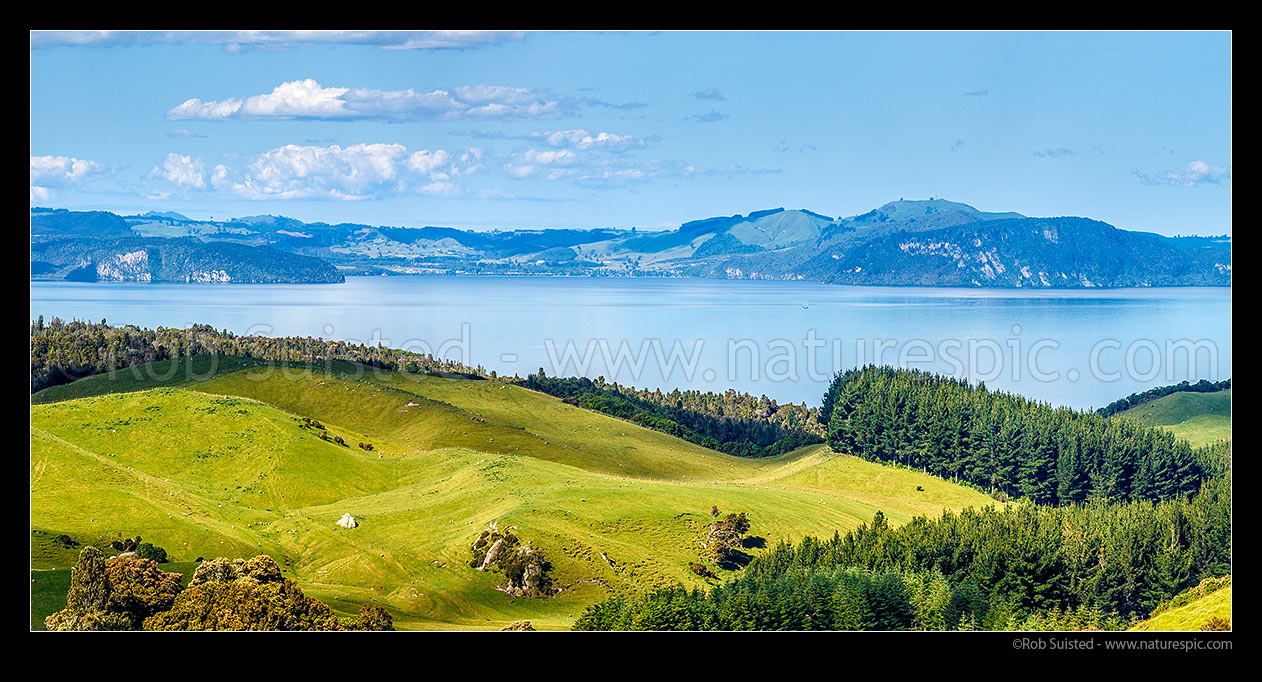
{"points": [[1004, 443], [1097, 565], [736, 423], [64, 351]]}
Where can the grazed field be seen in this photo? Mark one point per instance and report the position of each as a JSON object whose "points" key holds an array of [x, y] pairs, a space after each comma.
{"points": [[163, 373], [1200, 418], [225, 467]]}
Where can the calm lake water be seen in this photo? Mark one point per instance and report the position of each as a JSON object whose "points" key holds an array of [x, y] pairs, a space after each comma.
{"points": [[781, 339]]}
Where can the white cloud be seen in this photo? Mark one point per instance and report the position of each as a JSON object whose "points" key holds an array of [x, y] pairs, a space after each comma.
{"points": [[589, 169], [327, 171], [298, 98], [53, 172], [355, 172], [185, 172], [308, 99], [1195, 173], [333, 172], [584, 140], [61, 170], [551, 164], [240, 41], [195, 109], [439, 188], [427, 162]]}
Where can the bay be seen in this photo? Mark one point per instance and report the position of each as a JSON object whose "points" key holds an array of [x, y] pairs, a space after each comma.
{"points": [[1080, 348]]}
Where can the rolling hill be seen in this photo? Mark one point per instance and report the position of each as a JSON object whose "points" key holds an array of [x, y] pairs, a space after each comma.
{"points": [[1200, 418], [229, 467]]}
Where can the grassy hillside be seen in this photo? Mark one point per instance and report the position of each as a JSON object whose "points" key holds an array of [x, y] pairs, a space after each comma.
{"points": [[174, 372], [1190, 610], [226, 468], [1201, 418]]}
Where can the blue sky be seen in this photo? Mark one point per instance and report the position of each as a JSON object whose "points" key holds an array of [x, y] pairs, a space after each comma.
{"points": [[558, 129]]}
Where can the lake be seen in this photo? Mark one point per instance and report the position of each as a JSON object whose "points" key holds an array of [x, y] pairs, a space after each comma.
{"points": [[1080, 348]]}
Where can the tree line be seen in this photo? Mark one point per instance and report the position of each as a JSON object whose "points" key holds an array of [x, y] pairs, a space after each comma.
{"points": [[1018, 567], [62, 352], [735, 423], [1007, 444]]}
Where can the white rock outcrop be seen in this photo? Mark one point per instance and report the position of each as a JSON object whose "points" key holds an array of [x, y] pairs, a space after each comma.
{"points": [[492, 554]]}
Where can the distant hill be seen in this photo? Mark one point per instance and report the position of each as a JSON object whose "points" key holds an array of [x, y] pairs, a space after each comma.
{"points": [[136, 259], [79, 224], [168, 215], [944, 243], [1019, 252], [931, 242]]}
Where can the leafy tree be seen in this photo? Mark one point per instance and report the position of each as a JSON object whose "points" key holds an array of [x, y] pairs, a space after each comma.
{"points": [[725, 538], [150, 551]]}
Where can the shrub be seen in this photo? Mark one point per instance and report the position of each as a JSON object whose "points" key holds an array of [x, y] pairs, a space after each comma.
{"points": [[152, 552], [126, 544], [244, 594], [375, 618], [113, 595], [139, 589], [1216, 624]]}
